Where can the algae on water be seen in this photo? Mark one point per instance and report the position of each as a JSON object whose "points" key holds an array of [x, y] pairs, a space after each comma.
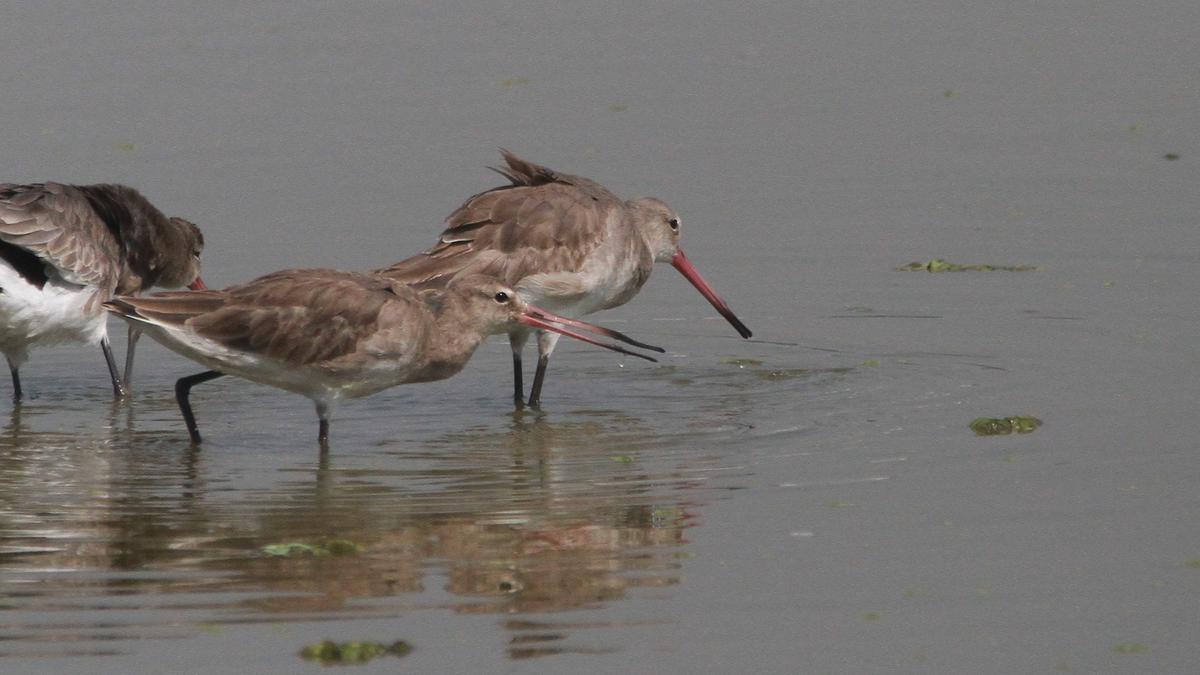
{"points": [[300, 550], [781, 373], [330, 653], [999, 426], [1130, 648], [939, 265]]}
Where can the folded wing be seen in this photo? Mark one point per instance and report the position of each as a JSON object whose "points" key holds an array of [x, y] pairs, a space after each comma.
{"points": [[55, 223]]}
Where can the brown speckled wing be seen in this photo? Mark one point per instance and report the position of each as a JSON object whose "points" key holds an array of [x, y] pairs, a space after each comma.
{"points": [[301, 317], [56, 223], [543, 222]]}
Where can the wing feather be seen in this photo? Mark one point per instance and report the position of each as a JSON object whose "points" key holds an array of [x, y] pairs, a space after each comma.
{"points": [[299, 317], [544, 222], [56, 223]]}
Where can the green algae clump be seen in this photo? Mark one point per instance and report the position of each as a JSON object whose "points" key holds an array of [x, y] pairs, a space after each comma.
{"points": [[300, 550], [330, 653], [939, 265], [1130, 648], [342, 547], [1000, 426], [781, 373]]}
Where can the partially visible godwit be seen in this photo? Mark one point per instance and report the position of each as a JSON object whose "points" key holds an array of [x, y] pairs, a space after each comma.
{"points": [[66, 249], [332, 335], [564, 242]]}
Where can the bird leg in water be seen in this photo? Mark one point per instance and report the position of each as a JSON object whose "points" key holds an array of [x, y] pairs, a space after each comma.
{"points": [[119, 389], [535, 394], [182, 388], [131, 343], [16, 379], [517, 342]]}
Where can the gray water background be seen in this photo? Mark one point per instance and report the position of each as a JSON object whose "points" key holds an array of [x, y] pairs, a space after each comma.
{"points": [[811, 501]]}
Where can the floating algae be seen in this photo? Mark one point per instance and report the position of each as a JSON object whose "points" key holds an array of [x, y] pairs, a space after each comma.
{"points": [[999, 426], [299, 550], [330, 653], [774, 374], [781, 373], [939, 265], [1130, 648]]}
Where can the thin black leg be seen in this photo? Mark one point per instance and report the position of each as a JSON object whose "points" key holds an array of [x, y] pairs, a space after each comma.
{"points": [[131, 343], [535, 394], [518, 385], [119, 390], [324, 412], [182, 388], [16, 378]]}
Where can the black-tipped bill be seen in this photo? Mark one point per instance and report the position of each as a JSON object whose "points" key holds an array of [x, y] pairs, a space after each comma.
{"points": [[685, 267], [599, 330], [540, 318]]}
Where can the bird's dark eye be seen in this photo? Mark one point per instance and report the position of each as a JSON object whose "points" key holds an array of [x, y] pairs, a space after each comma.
{"points": [[501, 297], [674, 223]]}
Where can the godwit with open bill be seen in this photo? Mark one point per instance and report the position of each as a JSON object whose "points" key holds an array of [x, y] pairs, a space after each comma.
{"points": [[332, 335], [66, 249], [564, 242]]}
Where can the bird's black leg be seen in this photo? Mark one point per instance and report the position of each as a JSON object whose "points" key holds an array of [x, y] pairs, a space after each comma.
{"points": [[324, 413], [517, 342], [134, 334], [518, 385], [535, 394], [182, 388], [16, 378], [119, 390]]}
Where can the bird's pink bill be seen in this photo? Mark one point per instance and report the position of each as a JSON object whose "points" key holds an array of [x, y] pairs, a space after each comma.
{"points": [[685, 267], [600, 330], [540, 318], [197, 285]]}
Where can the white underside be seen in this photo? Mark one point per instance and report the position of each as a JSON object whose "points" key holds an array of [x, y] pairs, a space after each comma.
{"points": [[603, 279], [323, 386], [54, 314]]}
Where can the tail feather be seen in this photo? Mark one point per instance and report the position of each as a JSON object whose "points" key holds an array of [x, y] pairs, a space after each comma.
{"points": [[172, 308], [423, 271], [524, 172]]}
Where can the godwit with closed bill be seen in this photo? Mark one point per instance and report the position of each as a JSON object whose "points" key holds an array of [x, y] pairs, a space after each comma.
{"points": [[563, 242], [66, 249], [332, 335]]}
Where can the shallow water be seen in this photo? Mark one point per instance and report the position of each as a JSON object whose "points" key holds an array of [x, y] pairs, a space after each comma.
{"points": [[812, 500]]}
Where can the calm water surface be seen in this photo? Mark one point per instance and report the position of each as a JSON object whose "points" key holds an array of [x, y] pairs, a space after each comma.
{"points": [[121, 540]]}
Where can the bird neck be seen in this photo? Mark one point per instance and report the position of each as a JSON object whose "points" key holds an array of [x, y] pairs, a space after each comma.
{"points": [[453, 337]]}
